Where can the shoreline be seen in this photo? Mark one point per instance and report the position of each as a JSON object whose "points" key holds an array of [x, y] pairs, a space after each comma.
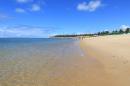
{"points": [[113, 53]]}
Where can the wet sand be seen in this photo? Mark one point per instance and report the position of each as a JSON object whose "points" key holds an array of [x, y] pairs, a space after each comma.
{"points": [[113, 53]]}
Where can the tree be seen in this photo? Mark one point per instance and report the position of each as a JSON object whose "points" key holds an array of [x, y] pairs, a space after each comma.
{"points": [[127, 30], [121, 31], [99, 33], [106, 32], [115, 32]]}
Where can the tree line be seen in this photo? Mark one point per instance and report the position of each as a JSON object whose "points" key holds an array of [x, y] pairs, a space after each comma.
{"points": [[103, 33], [115, 32]]}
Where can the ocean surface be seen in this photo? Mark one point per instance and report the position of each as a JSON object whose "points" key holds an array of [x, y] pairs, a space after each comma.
{"points": [[36, 62]]}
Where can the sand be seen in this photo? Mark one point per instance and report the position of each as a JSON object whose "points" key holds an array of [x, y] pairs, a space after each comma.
{"points": [[113, 54]]}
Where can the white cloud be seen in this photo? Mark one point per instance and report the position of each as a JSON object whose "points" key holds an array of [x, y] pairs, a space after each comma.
{"points": [[90, 6], [20, 10], [24, 31], [124, 27], [29, 6], [35, 7], [23, 1]]}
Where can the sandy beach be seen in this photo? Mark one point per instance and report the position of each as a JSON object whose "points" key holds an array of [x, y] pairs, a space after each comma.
{"points": [[113, 54], [98, 61]]}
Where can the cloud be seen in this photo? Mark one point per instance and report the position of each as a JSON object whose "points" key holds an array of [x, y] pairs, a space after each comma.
{"points": [[35, 7], [23, 1], [29, 6], [124, 27], [24, 32], [20, 10], [90, 6], [4, 16]]}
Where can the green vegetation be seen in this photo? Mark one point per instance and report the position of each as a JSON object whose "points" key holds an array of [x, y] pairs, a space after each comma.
{"points": [[73, 35], [103, 33]]}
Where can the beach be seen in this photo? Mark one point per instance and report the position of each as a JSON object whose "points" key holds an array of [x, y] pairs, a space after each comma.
{"points": [[113, 53], [97, 61]]}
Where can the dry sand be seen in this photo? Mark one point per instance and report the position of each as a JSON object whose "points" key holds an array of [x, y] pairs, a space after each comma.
{"points": [[113, 54]]}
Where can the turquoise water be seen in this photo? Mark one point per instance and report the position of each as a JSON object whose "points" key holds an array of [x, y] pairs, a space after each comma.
{"points": [[27, 62]]}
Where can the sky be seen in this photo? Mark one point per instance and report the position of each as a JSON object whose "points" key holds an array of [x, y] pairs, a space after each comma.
{"points": [[43, 18]]}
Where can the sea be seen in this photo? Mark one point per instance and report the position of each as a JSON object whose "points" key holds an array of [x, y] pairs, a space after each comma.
{"points": [[36, 61]]}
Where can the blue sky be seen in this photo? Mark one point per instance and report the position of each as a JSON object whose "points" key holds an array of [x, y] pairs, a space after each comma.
{"points": [[40, 18]]}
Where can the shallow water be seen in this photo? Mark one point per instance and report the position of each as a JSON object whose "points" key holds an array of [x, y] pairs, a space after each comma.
{"points": [[37, 62]]}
